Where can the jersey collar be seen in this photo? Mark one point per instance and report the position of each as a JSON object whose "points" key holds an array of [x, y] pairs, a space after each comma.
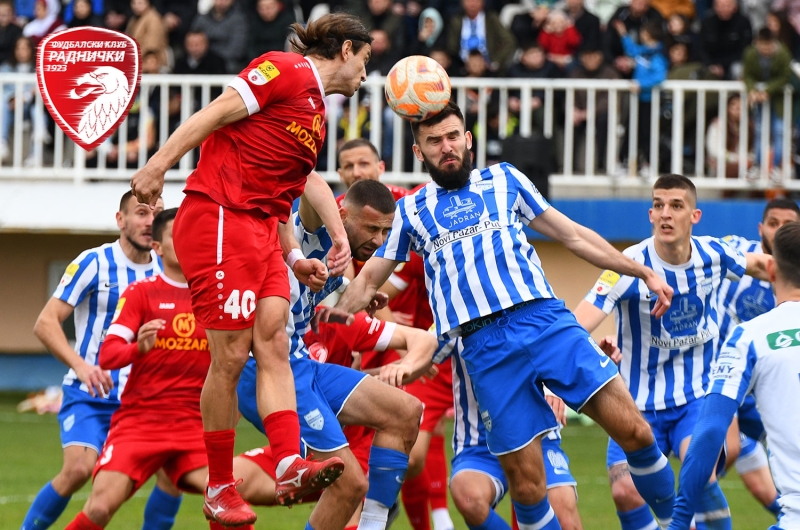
{"points": [[316, 74], [173, 283]]}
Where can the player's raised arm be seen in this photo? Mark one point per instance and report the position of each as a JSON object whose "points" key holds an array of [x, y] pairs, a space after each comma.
{"points": [[318, 207], [362, 289], [757, 265], [588, 245], [419, 347], [148, 183]]}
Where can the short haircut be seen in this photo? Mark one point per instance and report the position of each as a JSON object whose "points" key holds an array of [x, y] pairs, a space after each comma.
{"points": [[674, 181], [123, 202], [370, 193], [786, 252], [355, 143], [765, 35], [326, 35], [781, 204], [655, 30], [160, 223], [450, 110]]}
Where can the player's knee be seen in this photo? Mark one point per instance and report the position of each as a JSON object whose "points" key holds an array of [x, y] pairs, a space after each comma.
{"points": [[76, 473], [351, 487], [98, 511], [625, 496], [638, 436], [470, 501], [565, 505], [406, 418]]}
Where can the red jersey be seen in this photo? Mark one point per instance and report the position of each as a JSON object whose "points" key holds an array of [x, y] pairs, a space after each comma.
{"points": [[335, 343], [411, 306], [397, 192], [261, 162], [164, 383]]}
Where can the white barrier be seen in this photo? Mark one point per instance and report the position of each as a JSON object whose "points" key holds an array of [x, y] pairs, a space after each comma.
{"points": [[60, 160]]}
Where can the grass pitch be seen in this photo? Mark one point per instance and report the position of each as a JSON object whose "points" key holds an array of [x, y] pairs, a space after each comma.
{"points": [[31, 455]]}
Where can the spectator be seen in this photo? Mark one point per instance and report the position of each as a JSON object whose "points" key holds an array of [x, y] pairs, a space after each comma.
{"points": [[9, 31], [479, 29], [650, 70], [526, 26], [269, 27], [592, 65], [792, 10], [21, 62], [147, 27], [383, 57], [634, 17], [441, 56], [83, 15], [668, 8], [199, 59], [724, 35], [430, 29], [533, 64], [766, 72], [45, 21], [379, 15], [679, 32], [117, 14], [559, 38], [226, 27], [605, 9], [96, 8], [714, 139], [178, 16], [587, 24], [781, 29], [755, 11]]}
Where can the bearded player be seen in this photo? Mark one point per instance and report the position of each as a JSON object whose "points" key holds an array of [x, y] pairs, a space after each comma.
{"points": [[260, 140]]}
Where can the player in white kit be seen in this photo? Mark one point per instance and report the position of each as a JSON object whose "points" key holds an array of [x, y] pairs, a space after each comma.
{"points": [[761, 357]]}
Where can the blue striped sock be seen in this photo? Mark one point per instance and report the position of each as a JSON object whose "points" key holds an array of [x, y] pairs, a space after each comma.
{"points": [[538, 516], [638, 519], [493, 522], [654, 479], [714, 513], [46, 508]]}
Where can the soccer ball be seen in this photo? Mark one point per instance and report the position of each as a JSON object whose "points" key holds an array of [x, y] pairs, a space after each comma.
{"points": [[417, 88]]}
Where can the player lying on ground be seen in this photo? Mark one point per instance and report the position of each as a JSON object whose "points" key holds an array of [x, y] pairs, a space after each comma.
{"points": [[486, 285], [761, 357], [665, 362], [260, 141]]}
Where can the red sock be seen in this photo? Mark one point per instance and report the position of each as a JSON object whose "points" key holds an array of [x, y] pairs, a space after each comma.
{"points": [[81, 522], [415, 501], [213, 525], [514, 523], [219, 447], [436, 469], [283, 431]]}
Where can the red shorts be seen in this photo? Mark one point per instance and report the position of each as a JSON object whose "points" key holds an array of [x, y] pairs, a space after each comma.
{"points": [[231, 259], [139, 449], [435, 394], [360, 440]]}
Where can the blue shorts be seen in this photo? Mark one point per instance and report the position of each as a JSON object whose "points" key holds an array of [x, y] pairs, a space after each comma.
{"points": [[670, 427], [556, 464], [322, 391], [84, 420], [538, 343]]}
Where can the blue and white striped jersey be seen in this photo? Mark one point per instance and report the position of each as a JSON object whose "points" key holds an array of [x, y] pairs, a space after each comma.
{"points": [[762, 357], [477, 257], [302, 300], [92, 284], [666, 361], [746, 299]]}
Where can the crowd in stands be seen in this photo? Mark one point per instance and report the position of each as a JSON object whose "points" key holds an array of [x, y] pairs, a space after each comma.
{"points": [[648, 41]]}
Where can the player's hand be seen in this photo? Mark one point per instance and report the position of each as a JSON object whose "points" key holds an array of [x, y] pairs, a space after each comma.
{"points": [[330, 315], [609, 346], [393, 374], [147, 184], [559, 409], [146, 338], [660, 290], [339, 256], [311, 272], [379, 301], [97, 381]]}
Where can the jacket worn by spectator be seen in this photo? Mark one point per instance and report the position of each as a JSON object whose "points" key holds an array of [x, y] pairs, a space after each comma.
{"points": [[8, 39], [149, 31], [774, 72], [612, 47], [227, 35], [184, 11], [651, 66], [723, 42], [500, 43], [601, 96], [269, 35]]}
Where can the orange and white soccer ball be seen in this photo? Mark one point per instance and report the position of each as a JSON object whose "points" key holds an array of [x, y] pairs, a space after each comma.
{"points": [[417, 88]]}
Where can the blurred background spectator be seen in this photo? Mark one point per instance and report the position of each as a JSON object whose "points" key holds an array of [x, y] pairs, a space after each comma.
{"points": [[533, 64], [117, 13], [226, 28], [587, 24], [269, 27], [430, 30], [178, 16], [667, 8], [724, 35], [199, 59], [45, 21], [147, 27], [9, 31], [21, 62], [559, 39], [679, 31], [633, 17], [480, 29], [83, 15], [778, 24], [96, 7], [729, 140]]}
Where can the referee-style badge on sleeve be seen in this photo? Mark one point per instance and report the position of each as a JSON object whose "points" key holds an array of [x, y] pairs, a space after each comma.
{"points": [[88, 78], [606, 282]]}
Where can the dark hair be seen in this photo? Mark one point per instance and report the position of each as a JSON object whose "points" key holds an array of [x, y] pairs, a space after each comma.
{"points": [[765, 35], [786, 252], [674, 181], [787, 33], [123, 202], [781, 204], [13, 58], [370, 193], [324, 37], [160, 223], [655, 30], [357, 142], [450, 110], [475, 53]]}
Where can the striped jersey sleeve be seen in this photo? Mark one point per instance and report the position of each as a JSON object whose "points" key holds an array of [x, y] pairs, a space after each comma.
{"points": [[79, 279], [397, 246], [733, 262], [732, 373], [529, 203]]}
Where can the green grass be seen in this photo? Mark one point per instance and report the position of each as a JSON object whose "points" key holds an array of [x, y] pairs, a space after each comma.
{"points": [[31, 455]]}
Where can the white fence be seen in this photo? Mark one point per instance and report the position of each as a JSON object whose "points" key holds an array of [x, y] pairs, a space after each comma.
{"points": [[34, 156]]}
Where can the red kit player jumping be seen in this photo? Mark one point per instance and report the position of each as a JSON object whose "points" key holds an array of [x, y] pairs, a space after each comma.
{"points": [[260, 141]]}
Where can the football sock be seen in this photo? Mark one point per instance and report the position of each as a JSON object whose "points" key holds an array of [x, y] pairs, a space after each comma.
{"points": [[493, 522], [539, 516], [81, 522], [638, 519], [775, 507], [213, 525], [436, 469], [654, 480], [415, 501], [308, 526], [714, 513], [441, 519], [160, 510], [47, 507], [514, 523], [283, 431], [387, 468], [219, 447]]}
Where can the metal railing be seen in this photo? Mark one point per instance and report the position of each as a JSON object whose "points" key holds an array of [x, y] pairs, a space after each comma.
{"points": [[31, 157]]}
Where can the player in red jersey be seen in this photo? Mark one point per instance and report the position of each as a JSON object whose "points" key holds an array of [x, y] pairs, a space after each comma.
{"points": [[260, 141], [360, 160], [158, 425]]}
